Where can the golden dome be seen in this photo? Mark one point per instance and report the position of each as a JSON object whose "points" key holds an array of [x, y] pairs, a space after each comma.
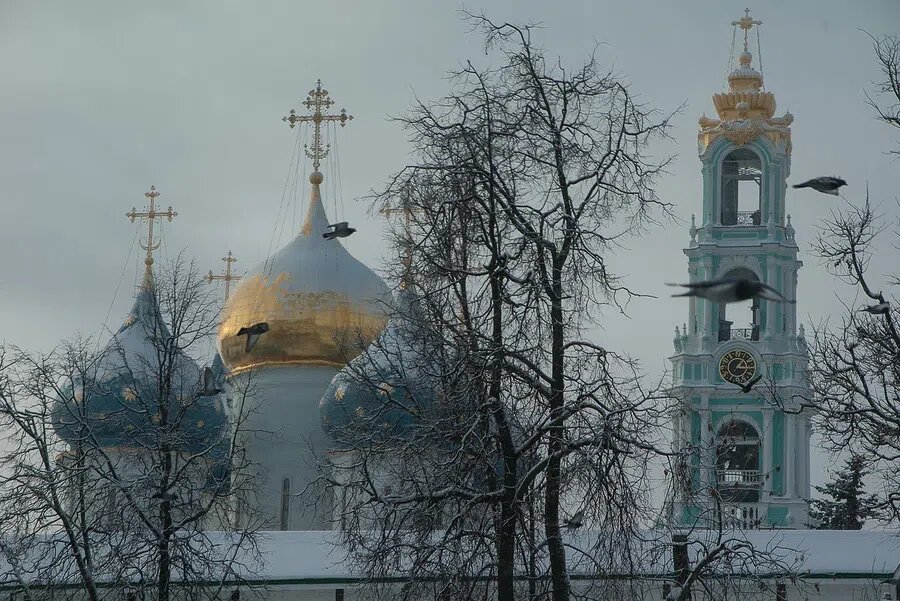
{"points": [[322, 305]]}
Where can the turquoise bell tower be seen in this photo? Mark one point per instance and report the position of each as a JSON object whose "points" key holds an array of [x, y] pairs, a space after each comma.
{"points": [[748, 459]]}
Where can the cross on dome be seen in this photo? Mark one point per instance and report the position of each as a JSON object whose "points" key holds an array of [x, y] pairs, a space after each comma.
{"points": [[316, 102], [746, 23], [150, 215], [226, 277]]}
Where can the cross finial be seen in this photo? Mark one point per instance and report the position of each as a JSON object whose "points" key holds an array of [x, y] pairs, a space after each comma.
{"points": [[227, 277], [746, 23], [403, 207], [317, 101], [150, 215]]}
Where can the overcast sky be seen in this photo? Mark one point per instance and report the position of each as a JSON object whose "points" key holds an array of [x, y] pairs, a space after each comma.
{"points": [[102, 99]]}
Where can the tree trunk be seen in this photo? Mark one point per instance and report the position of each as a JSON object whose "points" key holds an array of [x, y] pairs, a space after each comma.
{"points": [[558, 572], [506, 534]]}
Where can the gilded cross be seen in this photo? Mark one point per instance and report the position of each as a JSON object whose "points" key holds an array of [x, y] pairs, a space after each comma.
{"points": [[746, 23], [227, 277], [317, 101], [150, 214]]}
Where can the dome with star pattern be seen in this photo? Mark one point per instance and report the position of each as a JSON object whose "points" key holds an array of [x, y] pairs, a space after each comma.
{"points": [[381, 393], [116, 403]]}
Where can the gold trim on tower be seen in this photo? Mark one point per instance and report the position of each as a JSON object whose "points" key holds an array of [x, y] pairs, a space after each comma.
{"points": [[746, 111]]}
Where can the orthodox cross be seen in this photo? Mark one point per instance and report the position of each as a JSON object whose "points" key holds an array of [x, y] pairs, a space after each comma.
{"points": [[227, 277], [316, 102], [150, 214], [403, 208], [746, 23]]}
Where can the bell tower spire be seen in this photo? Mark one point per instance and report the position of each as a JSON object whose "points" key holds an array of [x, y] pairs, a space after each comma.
{"points": [[749, 450]]}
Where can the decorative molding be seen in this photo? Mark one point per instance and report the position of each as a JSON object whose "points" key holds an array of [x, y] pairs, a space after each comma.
{"points": [[732, 261]]}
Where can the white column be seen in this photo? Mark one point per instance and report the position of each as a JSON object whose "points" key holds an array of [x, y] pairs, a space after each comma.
{"points": [[789, 461], [768, 476], [706, 443], [706, 307], [792, 309], [804, 468], [770, 305]]}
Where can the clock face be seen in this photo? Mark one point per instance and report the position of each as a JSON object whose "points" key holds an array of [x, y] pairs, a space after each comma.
{"points": [[737, 366]]}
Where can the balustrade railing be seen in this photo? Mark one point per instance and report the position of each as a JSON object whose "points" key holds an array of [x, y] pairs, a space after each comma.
{"points": [[743, 516], [726, 332], [741, 218], [729, 477]]}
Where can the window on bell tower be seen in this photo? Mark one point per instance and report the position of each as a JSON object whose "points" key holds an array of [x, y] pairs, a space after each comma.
{"points": [[739, 320], [737, 462], [741, 188]]}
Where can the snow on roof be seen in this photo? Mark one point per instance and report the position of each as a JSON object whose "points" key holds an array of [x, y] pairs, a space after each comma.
{"points": [[313, 555], [310, 557]]}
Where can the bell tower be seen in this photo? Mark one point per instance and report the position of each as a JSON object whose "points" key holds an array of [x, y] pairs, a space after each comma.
{"points": [[748, 460]]}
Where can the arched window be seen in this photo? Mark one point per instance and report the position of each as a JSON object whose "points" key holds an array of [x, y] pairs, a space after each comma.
{"points": [[737, 462], [286, 504], [744, 316], [741, 186]]}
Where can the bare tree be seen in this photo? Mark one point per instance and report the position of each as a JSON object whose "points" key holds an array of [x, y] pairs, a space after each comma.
{"points": [[855, 366], [122, 460], [717, 554], [886, 97], [527, 177]]}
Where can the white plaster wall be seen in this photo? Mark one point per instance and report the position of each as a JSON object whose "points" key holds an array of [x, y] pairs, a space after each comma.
{"points": [[283, 438]]}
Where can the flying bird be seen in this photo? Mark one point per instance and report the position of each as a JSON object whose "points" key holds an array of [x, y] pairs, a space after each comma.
{"points": [[253, 333], [826, 185], [575, 522], [732, 290], [209, 383], [879, 309], [338, 230], [745, 388], [165, 496]]}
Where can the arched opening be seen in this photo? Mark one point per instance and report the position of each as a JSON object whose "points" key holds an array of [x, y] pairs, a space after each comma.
{"points": [[741, 188], [737, 462], [745, 313]]}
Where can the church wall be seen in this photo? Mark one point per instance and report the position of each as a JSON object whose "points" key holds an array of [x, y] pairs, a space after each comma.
{"points": [[283, 438]]}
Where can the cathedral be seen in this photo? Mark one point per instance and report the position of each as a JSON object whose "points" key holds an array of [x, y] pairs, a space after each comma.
{"points": [[748, 470]]}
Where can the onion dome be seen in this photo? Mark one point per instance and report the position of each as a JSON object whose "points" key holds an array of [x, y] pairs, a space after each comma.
{"points": [[382, 391], [219, 370], [321, 304], [117, 405]]}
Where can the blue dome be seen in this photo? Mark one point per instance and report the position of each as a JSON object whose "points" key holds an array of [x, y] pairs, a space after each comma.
{"points": [[117, 404], [381, 393]]}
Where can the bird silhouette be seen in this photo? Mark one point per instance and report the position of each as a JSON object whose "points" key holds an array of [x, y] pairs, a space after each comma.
{"points": [[879, 309], [826, 185], [575, 522], [732, 290], [253, 333], [236, 595], [745, 388], [165, 496], [338, 230], [209, 383]]}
